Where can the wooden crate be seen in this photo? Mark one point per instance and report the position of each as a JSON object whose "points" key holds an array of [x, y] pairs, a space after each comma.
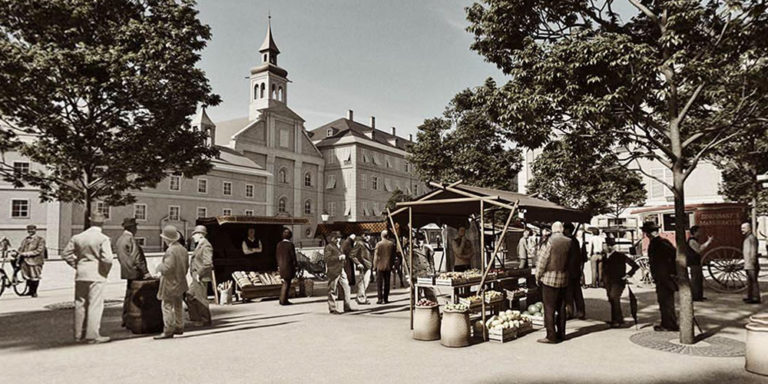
{"points": [[508, 334]]}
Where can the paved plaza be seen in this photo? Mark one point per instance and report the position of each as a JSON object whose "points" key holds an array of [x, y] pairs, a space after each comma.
{"points": [[263, 342]]}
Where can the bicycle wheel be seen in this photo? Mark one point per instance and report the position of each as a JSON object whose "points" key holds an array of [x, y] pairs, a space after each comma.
{"points": [[19, 283], [3, 281], [642, 277]]}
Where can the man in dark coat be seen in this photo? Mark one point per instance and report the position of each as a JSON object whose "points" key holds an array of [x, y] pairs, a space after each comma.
{"points": [[552, 277], [615, 278], [661, 259], [335, 262], [751, 264], [362, 260], [383, 257], [346, 249], [133, 264], [695, 248], [286, 264], [32, 250], [574, 297]]}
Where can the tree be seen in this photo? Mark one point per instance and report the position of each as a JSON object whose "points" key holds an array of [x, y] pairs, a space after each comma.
{"points": [[667, 81], [397, 196], [574, 176], [105, 88], [466, 145]]}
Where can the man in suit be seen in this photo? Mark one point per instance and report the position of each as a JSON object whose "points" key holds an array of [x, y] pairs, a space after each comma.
{"points": [[133, 264], [615, 278], [552, 277], [335, 262], [751, 264], [173, 283], [695, 248], [286, 264], [32, 249], [574, 297], [383, 257], [523, 249], [346, 249], [200, 269], [361, 257], [661, 260], [90, 254]]}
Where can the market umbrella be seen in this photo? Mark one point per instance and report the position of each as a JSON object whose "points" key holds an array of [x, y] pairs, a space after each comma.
{"points": [[632, 305]]}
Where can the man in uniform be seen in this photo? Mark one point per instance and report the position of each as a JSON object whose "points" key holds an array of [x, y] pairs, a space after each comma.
{"points": [[751, 264], [90, 253], [574, 297], [615, 279], [695, 249], [383, 257], [32, 249], [335, 262], [661, 259], [200, 267], [523, 249], [133, 264], [552, 277], [286, 264], [361, 257]]}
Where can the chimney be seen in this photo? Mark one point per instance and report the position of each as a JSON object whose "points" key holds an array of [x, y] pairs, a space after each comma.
{"points": [[410, 137], [394, 131], [373, 122], [350, 115]]}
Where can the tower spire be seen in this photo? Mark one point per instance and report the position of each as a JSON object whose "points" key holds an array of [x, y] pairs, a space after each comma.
{"points": [[269, 43]]}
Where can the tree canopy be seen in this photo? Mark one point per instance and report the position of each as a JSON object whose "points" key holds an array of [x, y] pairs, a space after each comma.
{"points": [[100, 93]]}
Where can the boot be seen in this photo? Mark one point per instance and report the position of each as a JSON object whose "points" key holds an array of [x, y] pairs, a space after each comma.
{"points": [[32, 286]]}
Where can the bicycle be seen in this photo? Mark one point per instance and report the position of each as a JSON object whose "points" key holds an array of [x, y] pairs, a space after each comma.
{"points": [[16, 278]]}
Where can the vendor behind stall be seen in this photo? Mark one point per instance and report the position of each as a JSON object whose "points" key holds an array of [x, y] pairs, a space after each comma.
{"points": [[251, 245], [462, 251]]}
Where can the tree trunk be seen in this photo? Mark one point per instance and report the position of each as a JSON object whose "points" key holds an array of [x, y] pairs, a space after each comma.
{"points": [[87, 211], [681, 224]]}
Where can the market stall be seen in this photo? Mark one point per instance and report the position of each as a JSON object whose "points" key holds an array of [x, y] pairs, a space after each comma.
{"points": [[253, 275], [453, 205]]}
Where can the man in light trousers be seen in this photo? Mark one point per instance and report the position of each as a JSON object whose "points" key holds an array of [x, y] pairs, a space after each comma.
{"points": [[90, 253], [335, 262], [173, 283], [200, 268]]}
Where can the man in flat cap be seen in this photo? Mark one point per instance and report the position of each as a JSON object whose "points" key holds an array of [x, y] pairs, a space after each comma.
{"points": [[200, 269], [133, 264], [90, 253], [32, 249]]}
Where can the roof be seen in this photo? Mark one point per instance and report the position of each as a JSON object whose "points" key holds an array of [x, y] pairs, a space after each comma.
{"points": [[269, 42], [457, 212], [226, 130], [202, 119], [254, 220], [689, 207], [349, 227], [228, 155], [346, 127], [269, 67]]}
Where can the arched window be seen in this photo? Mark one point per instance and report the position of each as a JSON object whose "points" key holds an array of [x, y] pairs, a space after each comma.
{"points": [[308, 207], [307, 179], [280, 93], [262, 91], [282, 176], [274, 91], [281, 204], [265, 57], [255, 91]]}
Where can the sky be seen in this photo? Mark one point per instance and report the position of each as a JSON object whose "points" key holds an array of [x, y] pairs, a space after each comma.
{"points": [[399, 60]]}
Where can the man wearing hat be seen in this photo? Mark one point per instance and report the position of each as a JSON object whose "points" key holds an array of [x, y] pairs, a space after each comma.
{"points": [[32, 249], [615, 278], [173, 283], [285, 253], [133, 264], [335, 262], [200, 270], [90, 253], [661, 260]]}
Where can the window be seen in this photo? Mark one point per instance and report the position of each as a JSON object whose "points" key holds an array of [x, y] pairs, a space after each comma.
{"points": [[226, 211], [284, 136], [387, 185], [365, 156], [363, 180], [331, 184], [20, 168], [227, 188], [308, 207], [261, 94], [255, 91], [202, 186], [332, 208], [307, 179], [375, 211], [273, 93], [281, 204], [348, 212], [140, 211], [376, 159], [141, 241], [416, 189], [280, 93], [365, 208], [249, 190], [174, 183], [249, 212], [407, 167], [308, 233], [19, 208], [375, 183], [282, 176], [174, 212], [202, 212], [103, 208], [331, 156], [329, 132], [389, 163]]}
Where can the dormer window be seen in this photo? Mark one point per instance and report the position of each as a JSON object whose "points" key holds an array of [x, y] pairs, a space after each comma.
{"points": [[329, 133]]}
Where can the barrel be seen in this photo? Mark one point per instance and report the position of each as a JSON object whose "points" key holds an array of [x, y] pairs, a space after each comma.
{"points": [[426, 323], [454, 330], [144, 314], [757, 345]]}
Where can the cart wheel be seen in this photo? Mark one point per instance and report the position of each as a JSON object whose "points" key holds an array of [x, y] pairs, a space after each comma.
{"points": [[726, 267], [19, 283], [642, 277]]}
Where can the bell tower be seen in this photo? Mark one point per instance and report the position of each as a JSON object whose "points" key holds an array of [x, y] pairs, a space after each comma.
{"points": [[268, 82]]}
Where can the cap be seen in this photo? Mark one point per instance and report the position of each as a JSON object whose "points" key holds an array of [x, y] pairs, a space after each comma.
{"points": [[201, 229]]}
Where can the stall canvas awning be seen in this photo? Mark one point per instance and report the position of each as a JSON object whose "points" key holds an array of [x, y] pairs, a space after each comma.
{"points": [[349, 227], [269, 220]]}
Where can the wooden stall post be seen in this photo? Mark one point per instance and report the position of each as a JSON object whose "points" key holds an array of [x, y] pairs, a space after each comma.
{"points": [[482, 264], [400, 247], [410, 260]]}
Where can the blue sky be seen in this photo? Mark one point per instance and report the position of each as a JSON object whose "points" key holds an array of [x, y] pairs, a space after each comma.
{"points": [[401, 61]]}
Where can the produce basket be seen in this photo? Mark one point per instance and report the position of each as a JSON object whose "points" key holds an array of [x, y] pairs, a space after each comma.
{"points": [[426, 280], [505, 335]]}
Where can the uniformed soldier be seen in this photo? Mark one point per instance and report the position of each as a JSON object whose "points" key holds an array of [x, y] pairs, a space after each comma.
{"points": [[32, 249], [661, 258]]}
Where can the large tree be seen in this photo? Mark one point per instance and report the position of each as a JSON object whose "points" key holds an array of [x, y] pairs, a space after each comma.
{"points": [[576, 176], [465, 144], [100, 94], [665, 81]]}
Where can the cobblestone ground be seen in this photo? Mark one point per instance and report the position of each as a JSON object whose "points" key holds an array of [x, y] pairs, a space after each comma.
{"points": [[262, 342]]}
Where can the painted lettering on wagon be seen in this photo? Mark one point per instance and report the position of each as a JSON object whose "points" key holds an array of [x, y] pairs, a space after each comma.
{"points": [[721, 218]]}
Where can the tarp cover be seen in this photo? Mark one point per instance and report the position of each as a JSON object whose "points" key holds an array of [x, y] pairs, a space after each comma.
{"points": [[350, 227]]}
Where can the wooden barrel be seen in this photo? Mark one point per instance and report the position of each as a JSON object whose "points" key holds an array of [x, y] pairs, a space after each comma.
{"points": [[454, 330], [756, 359], [426, 323], [144, 314]]}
